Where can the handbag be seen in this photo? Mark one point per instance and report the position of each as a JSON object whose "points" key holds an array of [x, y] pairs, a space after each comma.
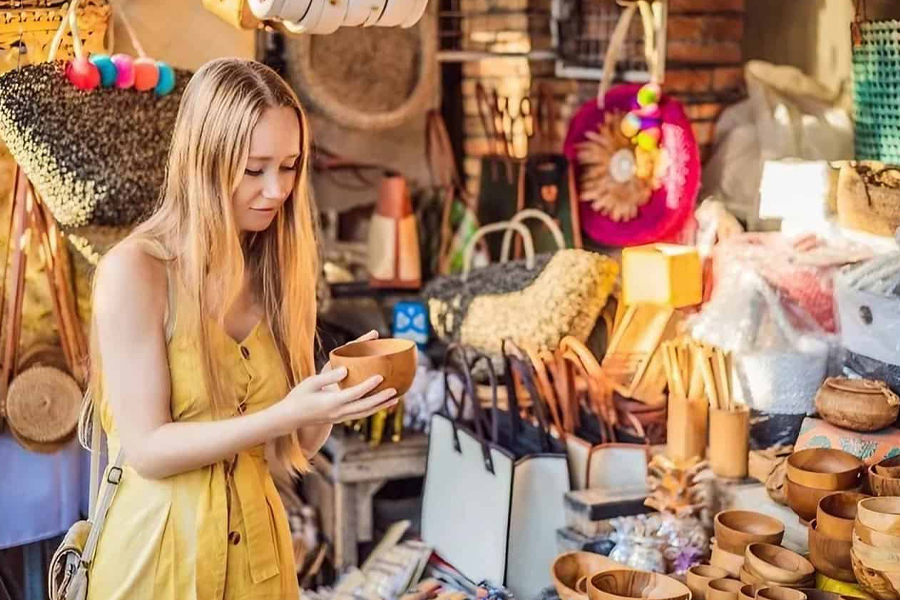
{"points": [[534, 302], [96, 158], [493, 493]]}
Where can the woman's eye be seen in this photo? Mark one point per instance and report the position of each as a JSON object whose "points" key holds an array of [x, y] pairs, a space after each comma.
{"points": [[289, 168], [252, 172]]}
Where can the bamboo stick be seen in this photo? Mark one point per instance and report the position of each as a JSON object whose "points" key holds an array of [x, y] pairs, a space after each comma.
{"points": [[709, 379]]}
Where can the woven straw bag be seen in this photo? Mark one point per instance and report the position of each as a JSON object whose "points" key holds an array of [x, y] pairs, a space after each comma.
{"points": [[534, 302], [96, 158]]}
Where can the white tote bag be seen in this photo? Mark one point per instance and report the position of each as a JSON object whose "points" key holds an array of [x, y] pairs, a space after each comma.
{"points": [[494, 491]]}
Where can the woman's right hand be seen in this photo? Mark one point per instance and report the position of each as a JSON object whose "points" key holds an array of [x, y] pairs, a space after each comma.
{"points": [[309, 403]]}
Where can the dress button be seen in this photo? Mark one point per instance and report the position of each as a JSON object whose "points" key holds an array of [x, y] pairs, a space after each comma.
{"points": [[245, 352], [235, 538]]}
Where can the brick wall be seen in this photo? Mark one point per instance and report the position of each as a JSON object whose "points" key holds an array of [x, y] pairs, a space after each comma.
{"points": [[704, 69]]}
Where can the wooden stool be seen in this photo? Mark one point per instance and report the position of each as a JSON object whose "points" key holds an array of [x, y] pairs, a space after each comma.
{"points": [[347, 474]]}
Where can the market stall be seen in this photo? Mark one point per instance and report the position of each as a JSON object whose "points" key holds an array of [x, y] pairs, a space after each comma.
{"points": [[639, 295]]}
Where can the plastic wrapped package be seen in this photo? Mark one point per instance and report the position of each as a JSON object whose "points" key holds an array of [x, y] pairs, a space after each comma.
{"points": [[868, 309], [659, 542], [768, 307]]}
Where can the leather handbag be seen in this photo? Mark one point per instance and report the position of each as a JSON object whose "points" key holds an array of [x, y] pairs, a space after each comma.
{"points": [[494, 488]]}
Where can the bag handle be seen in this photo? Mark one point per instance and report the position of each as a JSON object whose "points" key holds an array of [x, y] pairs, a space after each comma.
{"points": [[531, 213], [617, 40], [546, 389], [69, 20], [490, 228], [517, 366], [481, 422], [575, 351]]}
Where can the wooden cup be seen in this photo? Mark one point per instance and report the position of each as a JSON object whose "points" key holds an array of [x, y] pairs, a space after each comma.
{"points": [[686, 429], [729, 442], [699, 576], [723, 589]]}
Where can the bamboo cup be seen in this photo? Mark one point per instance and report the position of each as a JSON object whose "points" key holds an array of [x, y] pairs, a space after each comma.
{"points": [[729, 441], [686, 429]]}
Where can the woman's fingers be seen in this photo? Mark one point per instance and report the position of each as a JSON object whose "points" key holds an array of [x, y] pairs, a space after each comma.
{"points": [[372, 335], [360, 389], [325, 378], [368, 407]]}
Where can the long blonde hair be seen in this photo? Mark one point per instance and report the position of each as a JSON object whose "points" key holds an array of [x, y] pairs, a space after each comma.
{"points": [[194, 224]]}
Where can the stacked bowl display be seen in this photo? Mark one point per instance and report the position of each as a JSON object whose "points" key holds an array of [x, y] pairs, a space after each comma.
{"points": [[875, 554], [815, 473], [884, 477], [737, 529], [831, 535]]}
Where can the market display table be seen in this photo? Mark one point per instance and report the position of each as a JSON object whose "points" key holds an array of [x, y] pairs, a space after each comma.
{"points": [[347, 474]]}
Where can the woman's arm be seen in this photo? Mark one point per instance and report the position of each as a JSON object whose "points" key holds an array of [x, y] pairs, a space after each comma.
{"points": [[130, 304]]}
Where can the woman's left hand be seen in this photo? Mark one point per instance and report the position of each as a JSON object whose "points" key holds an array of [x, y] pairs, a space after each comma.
{"points": [[372, 335]]}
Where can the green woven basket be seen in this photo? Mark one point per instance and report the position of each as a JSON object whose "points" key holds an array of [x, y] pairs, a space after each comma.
{"points": [[876, 89]]}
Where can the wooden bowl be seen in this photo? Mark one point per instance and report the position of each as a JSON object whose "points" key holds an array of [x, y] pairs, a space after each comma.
{"points": [[878, 539], [816, 594], [569, 568], [824, 469], [829, 556], [624, 584], [889, 467], [736, 529], [699, 576], [723, 559], [883, 585], [393, 358], [779, 593], [857, 404], [753, 579], [836, 514], [748, 592], [776, 564], [873, 557], [723, 589], [883, 485], [881, 514], [805, 500]]}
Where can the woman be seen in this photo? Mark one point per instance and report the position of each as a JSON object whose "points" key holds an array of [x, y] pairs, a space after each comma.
{"points": [[204, 327]]}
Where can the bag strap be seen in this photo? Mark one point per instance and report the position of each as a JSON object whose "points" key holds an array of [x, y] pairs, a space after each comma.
{"points": [[531, 213], [498, 226], [617, 40], [517, 366]]}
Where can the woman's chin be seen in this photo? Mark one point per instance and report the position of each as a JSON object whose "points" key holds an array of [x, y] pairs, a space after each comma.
{"points": [[257, 222]]}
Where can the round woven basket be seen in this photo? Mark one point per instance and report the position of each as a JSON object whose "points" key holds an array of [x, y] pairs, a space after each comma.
{"points": [[368, 79], [43, 404]]}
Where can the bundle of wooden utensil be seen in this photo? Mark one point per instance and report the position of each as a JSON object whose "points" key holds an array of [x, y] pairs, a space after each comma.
{"points": [[694, 369]]}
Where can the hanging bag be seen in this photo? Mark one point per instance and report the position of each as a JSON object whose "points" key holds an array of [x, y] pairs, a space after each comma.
{"points": [[493, 496], [96, 157], [633, 151]]}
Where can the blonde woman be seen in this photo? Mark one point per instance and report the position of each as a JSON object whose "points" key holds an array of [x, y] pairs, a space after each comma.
{"points": [[203, 353]]}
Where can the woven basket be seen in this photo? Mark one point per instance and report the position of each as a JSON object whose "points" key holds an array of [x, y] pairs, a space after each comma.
{"points": [[27, 28], [95, 158], [868, 197], [876, 89], [43, 404]]}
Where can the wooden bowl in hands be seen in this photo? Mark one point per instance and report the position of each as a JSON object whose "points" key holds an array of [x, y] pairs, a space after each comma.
{"points": [[625, 584], [392, 358], [723, 589], [836, 514], [777, 565], [824, 469], [699, 576], [882, 485], [829, 556], [572, 567], [736, 529], [881, 514]]}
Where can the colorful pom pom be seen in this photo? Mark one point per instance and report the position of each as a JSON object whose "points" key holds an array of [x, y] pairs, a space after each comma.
{"points": [[649, 94], [649, 139], [82, 73], [107, 69], [651, 111], [631, 125], [146, 75], [166, 81], [125, 69]]}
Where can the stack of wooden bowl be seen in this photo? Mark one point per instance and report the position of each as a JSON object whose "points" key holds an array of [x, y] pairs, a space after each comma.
{"points": [[876, 546], [884, 477], [589, 576], [737, 529], [776, 567], [831, 535], [815, 473]]}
